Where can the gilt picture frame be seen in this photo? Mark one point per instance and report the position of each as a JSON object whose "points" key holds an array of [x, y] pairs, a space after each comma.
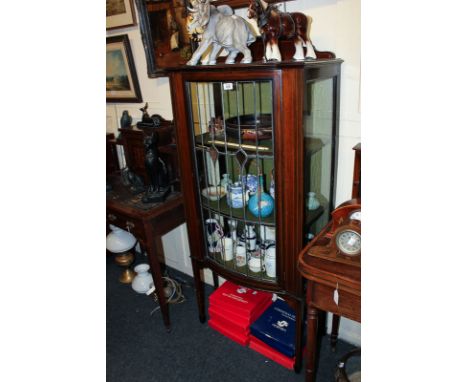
{"points": [[120, 14], [121, 77]]}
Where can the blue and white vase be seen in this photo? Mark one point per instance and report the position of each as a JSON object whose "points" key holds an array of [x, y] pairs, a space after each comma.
{"points": [[312, 201], [260, 203], [237, 195], [250, 182]]}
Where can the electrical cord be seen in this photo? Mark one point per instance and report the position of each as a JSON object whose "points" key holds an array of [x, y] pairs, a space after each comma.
{"points": [[175, 297]]}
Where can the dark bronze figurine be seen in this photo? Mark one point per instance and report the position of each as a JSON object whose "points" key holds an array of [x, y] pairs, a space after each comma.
{"points": [[133, 180], [156, 169], [147, 120]]}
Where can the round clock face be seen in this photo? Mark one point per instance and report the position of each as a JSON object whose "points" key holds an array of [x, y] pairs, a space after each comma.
{"points": [[349, 242], [355, 215]]}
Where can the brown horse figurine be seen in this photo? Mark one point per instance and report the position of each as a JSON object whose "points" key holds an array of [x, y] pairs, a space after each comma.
{"points": [[274, 24]]}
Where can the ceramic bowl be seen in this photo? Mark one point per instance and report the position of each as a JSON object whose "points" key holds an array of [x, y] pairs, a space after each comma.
{"points": [[214, 193]]}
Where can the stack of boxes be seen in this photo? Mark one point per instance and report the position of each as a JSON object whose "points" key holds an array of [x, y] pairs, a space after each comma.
{"points": [[247, 316], [232, 309], [273, 334]]}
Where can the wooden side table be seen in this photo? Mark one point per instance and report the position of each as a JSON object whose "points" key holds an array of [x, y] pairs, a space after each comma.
{"points": [[148, 222], [324, 276]]}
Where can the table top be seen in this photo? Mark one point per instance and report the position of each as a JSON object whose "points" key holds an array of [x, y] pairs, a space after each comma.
{"points": [[121, 198], [329, 269]]}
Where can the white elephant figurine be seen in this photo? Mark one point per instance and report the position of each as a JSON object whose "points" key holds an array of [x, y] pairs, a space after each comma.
{"points": [[221, 29]]}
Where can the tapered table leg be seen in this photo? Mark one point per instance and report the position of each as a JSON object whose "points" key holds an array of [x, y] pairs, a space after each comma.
{"points": [[298, 307], [157, 274], [334, 331], [200, 290], [311, 347]]}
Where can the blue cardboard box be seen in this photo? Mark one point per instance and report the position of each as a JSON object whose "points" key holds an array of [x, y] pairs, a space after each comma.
{"points": [[277, 328]]}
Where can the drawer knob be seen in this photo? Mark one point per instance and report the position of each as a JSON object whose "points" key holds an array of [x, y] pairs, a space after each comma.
{"points": [[130, 225]]}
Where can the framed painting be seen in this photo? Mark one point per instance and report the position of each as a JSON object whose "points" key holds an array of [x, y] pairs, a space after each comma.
{"points": [[121, 77], [119, 14], [164, 32]]}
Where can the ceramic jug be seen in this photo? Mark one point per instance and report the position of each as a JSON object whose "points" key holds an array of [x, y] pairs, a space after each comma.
{"points": [[214, 233], [250, 182], [238, 195]]}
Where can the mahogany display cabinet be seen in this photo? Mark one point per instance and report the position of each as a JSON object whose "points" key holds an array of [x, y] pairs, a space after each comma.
{"points": [[254, 140]]}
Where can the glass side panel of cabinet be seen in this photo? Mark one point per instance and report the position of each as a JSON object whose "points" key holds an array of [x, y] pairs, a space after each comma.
{"points": [[233, 136], [318, 142]]}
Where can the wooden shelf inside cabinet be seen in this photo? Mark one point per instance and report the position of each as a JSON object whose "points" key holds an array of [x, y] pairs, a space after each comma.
{"points": [[221, 207], [229, 144]]}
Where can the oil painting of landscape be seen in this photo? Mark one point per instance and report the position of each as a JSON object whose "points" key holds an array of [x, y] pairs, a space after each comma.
{"points": [[121, 78], [116, 73]]}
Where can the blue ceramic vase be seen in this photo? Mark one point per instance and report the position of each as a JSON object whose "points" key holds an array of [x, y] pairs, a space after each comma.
{"points": [[260, 203], [125, 120]]}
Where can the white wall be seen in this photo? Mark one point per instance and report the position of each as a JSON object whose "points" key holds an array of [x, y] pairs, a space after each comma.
{"points": [[335, 27]]}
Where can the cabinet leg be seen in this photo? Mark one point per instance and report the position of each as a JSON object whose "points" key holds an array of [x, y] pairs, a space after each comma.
{"points": [[334, 331], [200, 290], [311, 347], [215, 280]]}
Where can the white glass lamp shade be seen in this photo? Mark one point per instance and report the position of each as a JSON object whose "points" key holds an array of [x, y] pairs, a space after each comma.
{"points": [[119, 240]]}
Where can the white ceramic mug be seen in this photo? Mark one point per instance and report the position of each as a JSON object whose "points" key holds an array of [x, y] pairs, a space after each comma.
{"points": [[250, 237], [267, 233], [241, 256], [270, 261], [255, 264], [227, 249]]}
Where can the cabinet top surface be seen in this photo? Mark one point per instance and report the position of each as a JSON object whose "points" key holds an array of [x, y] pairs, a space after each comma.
{"points": [[258, 65]]}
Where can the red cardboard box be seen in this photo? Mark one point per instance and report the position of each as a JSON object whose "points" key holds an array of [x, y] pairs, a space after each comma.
{"points": [[221, 317], [269, 352], [242, 339], [243, 300], [233, 316], [227, 322]]}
